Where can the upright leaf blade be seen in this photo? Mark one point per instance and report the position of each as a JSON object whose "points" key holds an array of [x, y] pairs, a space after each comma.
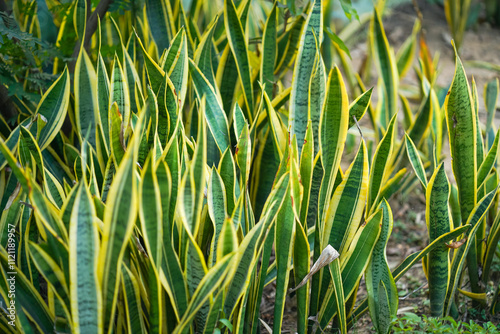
{"points": [[86, 103], [86, 300], [119, 92], [238, 44], [216, 118], [347, 204], [475, 221], [269, 51], [461, 122], [299, 96], [178, 73], [53, 107], [285, 230], [156, 11], [378, 271], [415, 161], [387, 68], [332, 134], [379, 165], [119, 219], [150, 213], [103, 98], [216, 198], [438, 223], [203, 54]]}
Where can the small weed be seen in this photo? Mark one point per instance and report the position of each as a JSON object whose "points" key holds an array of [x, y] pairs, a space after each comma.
{"points": [[412, 323]]}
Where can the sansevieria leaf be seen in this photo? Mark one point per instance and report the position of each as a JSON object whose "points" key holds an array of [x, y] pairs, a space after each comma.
{"points": [[215, 115], [203, 53], [358, 107], [119, 92], [85, 290], [28, 149], [245, 253], [438, 223], [208, 284], [491, 246], [379, 167], [278, 133], [303, 70], [178, 72], [80, 18], [30, 301], [157, 14], [346, 206], [192, 187], [103, 97], [301, 267], [333, 128], [285, 230], [132, 296], [119, 219], [150, 213], [415, 161], [116, 134], [338, 288], [53, 107], [387, 68], [86, 103], [490, 101], [352, 264], [461, 120], [488, 161], [51, 272], [216, 198], [269, 51], [475, 221], [238, 44], [345, 209], [378, 271], [12, 141], [423, 119], [317, 91], [411, 260], [288, 44]]}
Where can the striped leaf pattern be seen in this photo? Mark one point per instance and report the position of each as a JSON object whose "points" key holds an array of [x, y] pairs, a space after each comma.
{"points": [[380, 284], [86, 300], [299, 96], [461, 120], [438, 223], [194, 154], [238, 44]]}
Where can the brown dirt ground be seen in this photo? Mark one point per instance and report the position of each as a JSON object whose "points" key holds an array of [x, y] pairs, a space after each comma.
{"points": [[481, 42]]}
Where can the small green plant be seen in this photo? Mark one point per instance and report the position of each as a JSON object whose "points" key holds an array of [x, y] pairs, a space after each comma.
{"points": [[412, 323], [23, 58]]}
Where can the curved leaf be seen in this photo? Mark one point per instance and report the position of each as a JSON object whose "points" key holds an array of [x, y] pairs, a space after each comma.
{"points": [[303, 70], [53, 107], [378, 272], [215, 115]]}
